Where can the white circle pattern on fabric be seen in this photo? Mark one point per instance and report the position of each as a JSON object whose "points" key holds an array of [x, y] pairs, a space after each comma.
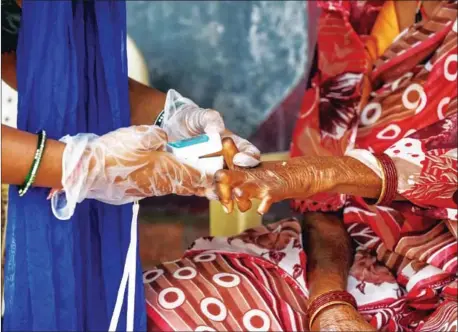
{"points": [[440, 107], [204, 258], [394, 128], [249, 315], [163, 302], [150, 276], [395, 84], [178, 274], [202, 328], [420, 103], [408, 149], [205, 303], [377, 112], [226, 284], [450, 76]]}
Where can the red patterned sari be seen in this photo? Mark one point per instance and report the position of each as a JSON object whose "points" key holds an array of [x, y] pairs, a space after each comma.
{"points": [[378, 90], [404, 273]]}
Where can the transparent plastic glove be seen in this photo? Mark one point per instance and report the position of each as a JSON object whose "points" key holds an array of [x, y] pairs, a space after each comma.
{"points": [[184, 119], [121, 167]]}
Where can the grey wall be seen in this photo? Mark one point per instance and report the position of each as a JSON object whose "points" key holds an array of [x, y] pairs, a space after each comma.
{"points": [[239, 57]]}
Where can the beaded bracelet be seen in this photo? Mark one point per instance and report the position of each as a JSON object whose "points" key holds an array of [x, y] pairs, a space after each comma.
{"points": [[326, 300], [160, 119], [30, 178]]}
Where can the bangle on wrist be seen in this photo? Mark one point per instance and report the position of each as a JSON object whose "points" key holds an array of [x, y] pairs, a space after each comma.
{"points": [[30, 178], [327, 300], [160, 119], [389, 181]]}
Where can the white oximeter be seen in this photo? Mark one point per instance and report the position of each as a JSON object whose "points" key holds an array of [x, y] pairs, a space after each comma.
{"points": [[191, 150]]}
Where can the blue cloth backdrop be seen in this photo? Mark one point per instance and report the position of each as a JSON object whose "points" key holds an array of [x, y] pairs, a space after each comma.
{"points": [[72, 78]]}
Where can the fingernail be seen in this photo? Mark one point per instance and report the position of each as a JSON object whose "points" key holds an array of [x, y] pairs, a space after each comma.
{"points": [[225, 209]]}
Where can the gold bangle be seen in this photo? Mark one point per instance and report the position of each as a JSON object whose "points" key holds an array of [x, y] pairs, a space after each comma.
{"points": [[383, 192], [324, 306]]}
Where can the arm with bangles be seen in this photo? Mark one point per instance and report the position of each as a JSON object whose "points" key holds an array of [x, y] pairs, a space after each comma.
{"points": [[329, 257], [146, 104], [18, 151], [20, 146], [296, 178]]}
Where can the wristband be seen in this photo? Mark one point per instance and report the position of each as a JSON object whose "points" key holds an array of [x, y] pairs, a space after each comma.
{"points": [[160, 119]]}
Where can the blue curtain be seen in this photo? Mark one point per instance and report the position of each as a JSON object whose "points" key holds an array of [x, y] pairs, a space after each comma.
{"points": [[72, 78]]}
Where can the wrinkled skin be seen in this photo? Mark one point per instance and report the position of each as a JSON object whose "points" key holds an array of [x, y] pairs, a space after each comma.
{"points": [[297, 178], [341, 318], [272, 182], [329, 257]]}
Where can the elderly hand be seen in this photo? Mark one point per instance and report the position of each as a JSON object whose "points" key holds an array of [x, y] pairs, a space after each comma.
{"points": [[297, 178], [272, 182], [123, 166], [184, 119]]}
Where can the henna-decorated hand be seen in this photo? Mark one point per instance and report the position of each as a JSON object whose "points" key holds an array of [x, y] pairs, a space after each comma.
{"points": [[297, 178], [274, 181], [341, 318]]}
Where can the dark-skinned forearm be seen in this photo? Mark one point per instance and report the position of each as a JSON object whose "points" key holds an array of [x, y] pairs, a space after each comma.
{"points": [[18, 151], [329, 253], [9, 69], [145, 103], [329, 257]]}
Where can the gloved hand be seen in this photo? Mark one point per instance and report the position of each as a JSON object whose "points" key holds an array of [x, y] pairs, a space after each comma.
{"points": [[184, 119], [123, 166]]}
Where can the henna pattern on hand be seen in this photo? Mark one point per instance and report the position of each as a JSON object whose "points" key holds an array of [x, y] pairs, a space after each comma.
{"points": [[297, 178]]}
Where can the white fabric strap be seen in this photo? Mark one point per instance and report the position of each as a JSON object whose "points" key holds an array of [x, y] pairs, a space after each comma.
{"points": [[367, 158], [128, 277]]}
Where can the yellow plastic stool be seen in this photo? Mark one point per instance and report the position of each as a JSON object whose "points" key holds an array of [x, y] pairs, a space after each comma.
{"points": [[222, 224]]}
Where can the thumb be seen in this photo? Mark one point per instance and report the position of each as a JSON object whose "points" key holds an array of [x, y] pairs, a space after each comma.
{"points": [[212, 122], [246, 160]]}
